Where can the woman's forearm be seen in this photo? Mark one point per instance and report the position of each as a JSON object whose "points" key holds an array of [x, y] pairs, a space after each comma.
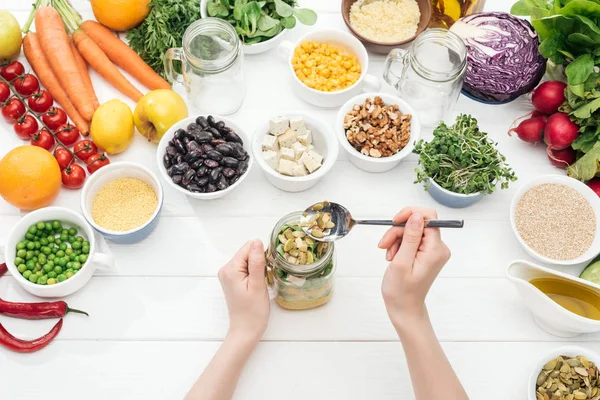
{"points": [[220, 378], [430, 371]]}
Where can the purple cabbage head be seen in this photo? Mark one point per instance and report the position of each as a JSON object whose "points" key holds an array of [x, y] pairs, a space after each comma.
{"points": [[503, 61]]}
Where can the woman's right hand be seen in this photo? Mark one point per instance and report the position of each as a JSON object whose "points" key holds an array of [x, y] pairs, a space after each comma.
{"points": [[416, 257]]}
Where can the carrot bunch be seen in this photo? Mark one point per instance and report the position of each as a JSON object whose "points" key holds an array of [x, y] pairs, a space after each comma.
{"points": [[61, 64]]}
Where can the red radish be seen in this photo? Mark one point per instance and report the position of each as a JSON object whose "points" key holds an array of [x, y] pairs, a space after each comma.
{"points": [[562, 158], [549, 96], [560, 131], [530, 130], [539, 114], [594, 184]]}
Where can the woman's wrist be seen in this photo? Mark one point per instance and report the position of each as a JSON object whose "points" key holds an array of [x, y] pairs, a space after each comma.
{"points": [[242, 339], [410, 320]]}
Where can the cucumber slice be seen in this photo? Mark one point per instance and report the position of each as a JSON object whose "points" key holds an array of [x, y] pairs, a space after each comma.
{"points": [[592, 273]]}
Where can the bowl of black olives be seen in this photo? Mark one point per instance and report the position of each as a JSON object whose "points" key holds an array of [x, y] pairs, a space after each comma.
{"points": [[204, 157]]}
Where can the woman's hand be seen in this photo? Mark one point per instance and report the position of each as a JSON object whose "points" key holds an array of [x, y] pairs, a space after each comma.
{"points": [[245, 288], [416, 257]]}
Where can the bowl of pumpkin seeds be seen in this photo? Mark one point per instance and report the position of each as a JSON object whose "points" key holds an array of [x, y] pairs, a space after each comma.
{"points": [[566, 373]]}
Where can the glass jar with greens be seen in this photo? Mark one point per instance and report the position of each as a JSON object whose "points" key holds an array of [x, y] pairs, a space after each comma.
{"points": [[212, 66], [299, 284]]}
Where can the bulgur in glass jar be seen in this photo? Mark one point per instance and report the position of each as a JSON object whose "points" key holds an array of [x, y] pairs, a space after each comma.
{"points": [[299, 286]]}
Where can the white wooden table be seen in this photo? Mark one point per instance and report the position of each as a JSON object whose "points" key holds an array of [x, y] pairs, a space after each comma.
{"points": [[155, 324]]}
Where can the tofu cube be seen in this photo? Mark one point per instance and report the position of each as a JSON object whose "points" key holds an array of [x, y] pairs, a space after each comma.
{"points": [[272, 158], [297, 125], [287, 139], [312, 160], [287, 153], [299, 170], [306, 138], [286, 167], [278, 125], [299, 149], [270, 143]]}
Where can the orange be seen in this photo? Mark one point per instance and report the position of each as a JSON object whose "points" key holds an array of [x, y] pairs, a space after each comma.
{"points": [[29, 177], [120, 15]]}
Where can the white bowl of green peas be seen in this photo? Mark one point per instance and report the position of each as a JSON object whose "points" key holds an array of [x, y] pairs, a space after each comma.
{"points": [[52, 252]]}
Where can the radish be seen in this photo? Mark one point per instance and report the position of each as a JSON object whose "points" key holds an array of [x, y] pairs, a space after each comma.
{"points": [[560, 131], [562, 158], [539, 114], [594, 184], [549, 96], [530, 130]]}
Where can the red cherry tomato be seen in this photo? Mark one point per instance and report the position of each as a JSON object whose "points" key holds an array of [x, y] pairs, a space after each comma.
{"points": [[67, 134], [26, 85], [63, 156], [84, 149], [4, 92], [40, 101], [54, 118], [12, 110], [12, 71], [26, 126], [43, 139], [73, 177], [97, 161]]}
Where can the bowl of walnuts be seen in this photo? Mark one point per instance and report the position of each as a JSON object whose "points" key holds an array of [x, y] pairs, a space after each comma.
{"points": [[377, 130]]}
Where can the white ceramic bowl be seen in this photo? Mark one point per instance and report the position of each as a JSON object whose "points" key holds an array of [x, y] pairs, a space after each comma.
{"points": [[571, 351], [371, 164], [108, 174], [255, 48], [366, 82], [451, 199], [324, 142], [182, 125], [69, 219], [585, 191]]}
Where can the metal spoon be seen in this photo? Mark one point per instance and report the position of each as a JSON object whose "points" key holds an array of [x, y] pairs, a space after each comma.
{"points": [[344, 222]]}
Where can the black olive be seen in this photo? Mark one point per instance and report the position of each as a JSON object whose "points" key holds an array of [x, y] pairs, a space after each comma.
{"points": [[171, 150], [211, 163], [166, 160], [210, 188], [181, 168], [201, 180], [230, 162], [180, 146], [170, 171], [202, 171], [194, 127], [214, 155], [179, 134], [202, 122], [217, 142], [178, 159], [188, 177], [220, 125], [233, 137], [177, 179], [242, 167], [206, 147], [223, 183], [224, 148], [211, 120], [196, 165], [215, 174], [192, 187]]}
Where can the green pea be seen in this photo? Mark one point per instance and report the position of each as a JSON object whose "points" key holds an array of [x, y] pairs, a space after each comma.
{"points": [[82, 258], [36, 253], [30, 255], [48, 226], [29, 236], [32, 229], [65, 231], [38, 268], [69, 274], [62, 246], [42, 281], [71, 239], [37, 245], [69, 265], [46, 250], [26, 274], [76, 245], [57, 225], [33, 278], [76, 265], [72, 231], [79, 238], [69, 251], [51, 281], [22, 253], [30, 265], [42, 259], [51, 274], [48, 268], [69, 270], [44, 242], [50, 239], [86, 243], [60, 254], [39, 273], [58, 269], [85, 249], [30, 246], [64, 237], [73, 257], [61, 278], [62, 262], [21, 245], [22, 268], [19, 261], [51, 257]]}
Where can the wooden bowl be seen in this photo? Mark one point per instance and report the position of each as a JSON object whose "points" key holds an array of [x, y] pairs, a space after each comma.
{"points": [[384, 48]]}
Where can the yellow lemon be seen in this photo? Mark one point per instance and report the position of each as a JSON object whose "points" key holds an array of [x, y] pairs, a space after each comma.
{"points": [[451, 8], [112, 127], [10, 32]]}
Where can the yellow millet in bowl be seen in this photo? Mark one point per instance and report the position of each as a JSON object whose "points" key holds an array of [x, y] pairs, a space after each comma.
{"points": [[124, 204]]}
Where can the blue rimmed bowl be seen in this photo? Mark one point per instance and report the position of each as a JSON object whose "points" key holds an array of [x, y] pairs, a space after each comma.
{"points": [[451, 199], [108, 174]]}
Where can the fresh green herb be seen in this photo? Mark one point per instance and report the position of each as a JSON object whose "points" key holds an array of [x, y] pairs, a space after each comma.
{"points": [[258, 21], [162, 29], [587, 166], [462, 159]]}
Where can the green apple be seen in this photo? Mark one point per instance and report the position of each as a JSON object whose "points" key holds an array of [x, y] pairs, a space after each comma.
{"points": [[157, 111], [10, 37]]}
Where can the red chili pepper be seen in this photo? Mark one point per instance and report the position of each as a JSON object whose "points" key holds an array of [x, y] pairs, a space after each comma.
{"points": [[28, 346], [55, 309], [3, 269]]}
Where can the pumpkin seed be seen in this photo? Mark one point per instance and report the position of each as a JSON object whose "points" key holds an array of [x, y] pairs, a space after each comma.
{"points": [[318, 207], [316, 233], [299, 234], [568, 378], [289, 245]]}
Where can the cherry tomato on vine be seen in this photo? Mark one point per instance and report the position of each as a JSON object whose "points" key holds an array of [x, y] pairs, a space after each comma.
{"points": [[63, 156], [73, 177], [84, 149], [43, 139], [54, 117], [12, 71], [12, 110], [67, 134], [26, 85], [40, 101], [97, 161], [26, 126], [4, 92]]}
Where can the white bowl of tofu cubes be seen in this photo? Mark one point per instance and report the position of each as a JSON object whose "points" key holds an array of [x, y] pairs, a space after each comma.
{"points": [[294, 151]]}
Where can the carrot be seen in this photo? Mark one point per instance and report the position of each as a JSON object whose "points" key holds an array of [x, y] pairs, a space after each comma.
{"points": [[83, 70], [36, 58], [55, 44], [94, 55], [124, 56]]}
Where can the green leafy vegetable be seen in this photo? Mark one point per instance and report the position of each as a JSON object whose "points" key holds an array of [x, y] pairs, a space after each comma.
{"points": [[587, 166], [163, 29], [258, 21], [462, 159]]}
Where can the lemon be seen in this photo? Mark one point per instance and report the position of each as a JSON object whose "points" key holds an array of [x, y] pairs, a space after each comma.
{"points": [[451, 8], [112, 127], [10, 34]]}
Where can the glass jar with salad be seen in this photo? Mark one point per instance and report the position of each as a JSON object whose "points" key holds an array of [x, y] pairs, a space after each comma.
{"points": [[300, 269]]}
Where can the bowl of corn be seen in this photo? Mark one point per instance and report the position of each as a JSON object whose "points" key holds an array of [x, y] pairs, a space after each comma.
{"points": [[122, 201], [328, 67]]}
